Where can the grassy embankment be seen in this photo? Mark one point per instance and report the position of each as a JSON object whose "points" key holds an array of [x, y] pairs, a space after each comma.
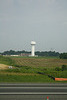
{"points": [[27, 69]]}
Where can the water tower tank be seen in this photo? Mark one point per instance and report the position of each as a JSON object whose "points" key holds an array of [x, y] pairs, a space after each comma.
{"points": [[33, 48]]}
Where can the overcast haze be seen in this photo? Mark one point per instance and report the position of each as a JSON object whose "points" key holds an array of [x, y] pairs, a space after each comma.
{"points": [[44, 21]]}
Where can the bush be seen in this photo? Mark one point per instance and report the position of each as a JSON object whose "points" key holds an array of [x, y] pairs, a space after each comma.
{"points": [[57, 68], [64, 67]]}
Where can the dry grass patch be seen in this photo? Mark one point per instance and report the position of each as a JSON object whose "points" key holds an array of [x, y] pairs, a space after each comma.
{"points": [[3, 66]]}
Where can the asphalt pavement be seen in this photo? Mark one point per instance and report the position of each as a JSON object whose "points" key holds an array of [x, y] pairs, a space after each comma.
{"points": [[33, 91]]}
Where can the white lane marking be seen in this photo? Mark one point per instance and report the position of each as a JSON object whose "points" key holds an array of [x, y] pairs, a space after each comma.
{"points": [[34, 93], [33, 87]]}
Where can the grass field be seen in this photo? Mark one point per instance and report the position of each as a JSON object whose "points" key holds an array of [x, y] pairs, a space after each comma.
{"points": [[28, 69], [25, 78]]}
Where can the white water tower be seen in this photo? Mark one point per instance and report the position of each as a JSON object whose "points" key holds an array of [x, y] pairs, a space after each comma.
{"points": [[33, 48]]}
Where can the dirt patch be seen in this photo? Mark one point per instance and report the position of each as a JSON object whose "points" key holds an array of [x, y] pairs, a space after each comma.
{"points": [[3, 66]]}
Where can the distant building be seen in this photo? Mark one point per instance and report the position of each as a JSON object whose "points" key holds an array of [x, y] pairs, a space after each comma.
{"points": [[14, 55], [24, 54]]}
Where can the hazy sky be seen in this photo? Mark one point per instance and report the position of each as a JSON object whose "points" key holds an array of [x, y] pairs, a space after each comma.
{"points": [[44, 21]]}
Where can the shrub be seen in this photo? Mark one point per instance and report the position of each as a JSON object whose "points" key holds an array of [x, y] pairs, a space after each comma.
{"points": [[64, 67], [57, 68]]}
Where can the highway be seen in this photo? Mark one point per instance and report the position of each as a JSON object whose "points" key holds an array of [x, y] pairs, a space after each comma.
{"points": [[33, 91]]}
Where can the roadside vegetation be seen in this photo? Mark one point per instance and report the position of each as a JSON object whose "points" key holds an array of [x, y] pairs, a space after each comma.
{"points": [[32, 69], [6, 60]]}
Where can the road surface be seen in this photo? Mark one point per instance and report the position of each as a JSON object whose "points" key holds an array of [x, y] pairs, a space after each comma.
{"points": [[33, 91]]}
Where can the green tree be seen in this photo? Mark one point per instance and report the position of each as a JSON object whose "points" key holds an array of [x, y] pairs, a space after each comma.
{"points": [[63, 56]]}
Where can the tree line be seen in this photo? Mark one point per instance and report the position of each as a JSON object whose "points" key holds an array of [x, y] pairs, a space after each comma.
{"points": [[47, 53], [39, 53], [12, 52], [63, 56], [42, 53]]}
